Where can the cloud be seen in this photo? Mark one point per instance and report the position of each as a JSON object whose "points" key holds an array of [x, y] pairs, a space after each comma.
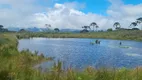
{"points": [[63, 16], [75, 5], [16, 13], [68, 15], [123, 13]]}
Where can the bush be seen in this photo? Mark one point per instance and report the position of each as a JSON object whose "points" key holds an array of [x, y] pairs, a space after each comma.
{"points": [[110, 29]]}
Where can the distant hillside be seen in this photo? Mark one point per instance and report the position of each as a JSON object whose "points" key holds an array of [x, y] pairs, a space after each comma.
{"points": [[35, 29], [13, 29]]}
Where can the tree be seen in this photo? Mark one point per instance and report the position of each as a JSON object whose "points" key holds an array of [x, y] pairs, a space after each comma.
{"points": [[1, 26], [110, 29], [134, 24], [97, 28], [48, 26], [86, 27], [139, 20], [22, 30], [84, 31], [5, 30], [56, 30], [117, 25], [135, 29], [94, 25], [2, 29]]}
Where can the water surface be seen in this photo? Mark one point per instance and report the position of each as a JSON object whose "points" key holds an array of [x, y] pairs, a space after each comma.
{"points": [[79, 53]]}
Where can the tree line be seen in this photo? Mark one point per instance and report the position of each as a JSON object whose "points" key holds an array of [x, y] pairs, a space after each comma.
{"points": [[116, 25], [2, 29]]}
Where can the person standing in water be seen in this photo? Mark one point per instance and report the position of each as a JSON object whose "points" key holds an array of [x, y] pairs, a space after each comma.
{"points": [[97, 42], [120, 43]]}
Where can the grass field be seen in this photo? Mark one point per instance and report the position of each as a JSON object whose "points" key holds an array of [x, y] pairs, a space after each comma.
{"points": [[120, 35], [15, 65]]}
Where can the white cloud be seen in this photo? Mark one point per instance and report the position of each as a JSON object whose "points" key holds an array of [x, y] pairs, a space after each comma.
{"points": [[18, 12], [67, 15], [63, 16], [60, 16], [125, 14], [75, 5]]}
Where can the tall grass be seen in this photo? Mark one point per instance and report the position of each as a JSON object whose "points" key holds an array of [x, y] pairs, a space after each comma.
{"points": [[14, 64]]}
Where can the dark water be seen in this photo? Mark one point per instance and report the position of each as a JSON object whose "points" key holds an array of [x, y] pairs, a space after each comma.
{"points": [[79, 53]]}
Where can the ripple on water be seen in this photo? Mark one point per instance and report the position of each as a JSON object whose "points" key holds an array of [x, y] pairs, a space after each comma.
{"points": [[80, 54], [133, 55]]}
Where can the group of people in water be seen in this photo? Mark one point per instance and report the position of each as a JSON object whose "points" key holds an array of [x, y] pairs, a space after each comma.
{"points": [[98, 42]]}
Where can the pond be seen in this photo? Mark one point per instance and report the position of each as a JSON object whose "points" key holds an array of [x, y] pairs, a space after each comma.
{"points": [[79, 53]]}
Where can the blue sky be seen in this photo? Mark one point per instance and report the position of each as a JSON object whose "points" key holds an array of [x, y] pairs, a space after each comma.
{"points": [[94, 6], [132, 1]]}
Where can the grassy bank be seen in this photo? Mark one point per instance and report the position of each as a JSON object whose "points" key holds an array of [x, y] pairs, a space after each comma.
{"points": [[15, 65], [121, 35]]}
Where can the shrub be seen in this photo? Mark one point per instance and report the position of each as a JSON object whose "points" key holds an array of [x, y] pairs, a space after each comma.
{"points": [[110, 29]]}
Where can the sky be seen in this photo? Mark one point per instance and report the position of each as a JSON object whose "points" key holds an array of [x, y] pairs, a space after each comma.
{"points": [[68, 14]]}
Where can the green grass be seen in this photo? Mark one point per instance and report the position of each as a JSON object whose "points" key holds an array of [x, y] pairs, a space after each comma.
{"points": [[15, 65], [119, 35]]}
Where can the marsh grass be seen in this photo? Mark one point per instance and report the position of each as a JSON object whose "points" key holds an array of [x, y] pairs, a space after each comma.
{"points": [[91, 73], [14, 64], [119, 35]]}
